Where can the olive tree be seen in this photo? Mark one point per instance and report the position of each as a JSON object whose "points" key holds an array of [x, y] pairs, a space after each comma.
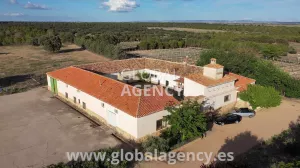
{"points": [[52, 43]]}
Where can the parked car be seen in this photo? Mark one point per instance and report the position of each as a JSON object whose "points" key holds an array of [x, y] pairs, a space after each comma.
{"points": [[244, 112], [228, 119]]}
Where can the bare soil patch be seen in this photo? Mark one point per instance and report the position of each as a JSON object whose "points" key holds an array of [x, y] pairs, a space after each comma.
{"points": [[24, 67], [189, 29], [175, 55]]}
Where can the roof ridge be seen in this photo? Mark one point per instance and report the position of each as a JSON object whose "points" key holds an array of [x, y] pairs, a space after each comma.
{"points": [[107, 61], [172, 62], [138, 108]]}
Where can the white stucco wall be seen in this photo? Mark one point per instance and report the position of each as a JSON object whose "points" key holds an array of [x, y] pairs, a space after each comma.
{"points": [[215, 95], [192, 88], [147, 125], [129, 75], [48, 82], [163, 77], [213, 72]]}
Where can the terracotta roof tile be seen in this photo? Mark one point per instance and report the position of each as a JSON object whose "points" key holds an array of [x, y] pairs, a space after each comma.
{"points": [[200, 78], [110, 91], [115, 66], [175, 68], [180, 80], [217, 66], [142, 63], [242, 82], [152, 104]]}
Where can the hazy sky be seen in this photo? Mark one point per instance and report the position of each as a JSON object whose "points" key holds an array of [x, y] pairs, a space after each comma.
{"points": [[149, 10]]}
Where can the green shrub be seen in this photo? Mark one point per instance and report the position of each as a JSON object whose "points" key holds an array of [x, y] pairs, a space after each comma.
{"points": [[143, 76], [186, 121], [35, 42], [158, 143], [288, 165], [144, 45], [292, 50], [274, 50], [259, 96]]}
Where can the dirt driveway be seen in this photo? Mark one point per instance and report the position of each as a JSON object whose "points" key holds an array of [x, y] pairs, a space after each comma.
{"points": [[240, 137], [36, 130]]}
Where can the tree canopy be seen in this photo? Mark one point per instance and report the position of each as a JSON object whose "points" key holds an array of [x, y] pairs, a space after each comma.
{"points": [[52, 43], [259, 96], [187, 121]]}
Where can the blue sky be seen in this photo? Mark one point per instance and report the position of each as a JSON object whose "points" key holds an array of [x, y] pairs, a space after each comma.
{"points": [[148, 10]]}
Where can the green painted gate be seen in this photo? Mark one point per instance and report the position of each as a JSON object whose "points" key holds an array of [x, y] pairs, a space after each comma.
{"points": [[53, 85]]}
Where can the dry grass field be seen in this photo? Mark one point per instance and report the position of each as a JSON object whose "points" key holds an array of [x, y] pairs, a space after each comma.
{"points": [[129, 45], [24, 67], [175, 55], [188, 29]]}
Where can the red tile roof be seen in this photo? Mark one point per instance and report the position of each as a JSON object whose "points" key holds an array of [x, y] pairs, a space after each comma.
{"points": [[110, 91], [217, 66], [200, 78], [180, 80], [242, 82], [192, 72], [176, 68]]}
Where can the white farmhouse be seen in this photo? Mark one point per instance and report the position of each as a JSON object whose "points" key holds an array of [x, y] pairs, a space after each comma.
{"points": [[106, 91]]}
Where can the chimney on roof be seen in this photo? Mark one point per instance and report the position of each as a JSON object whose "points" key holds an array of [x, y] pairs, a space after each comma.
{"points": [[213, 70], [213, 61]]}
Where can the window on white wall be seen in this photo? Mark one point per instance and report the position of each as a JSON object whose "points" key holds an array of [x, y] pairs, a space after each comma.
{"points": [[66, 95], [116, 111], [102, 104], [83, 105], [74, 99], [226, 98], [160, 124]]}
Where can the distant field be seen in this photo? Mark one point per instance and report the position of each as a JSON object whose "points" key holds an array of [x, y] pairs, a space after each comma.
{"points": [[23, 67], [175, 55], [188, 29], [286, 25], [129, 45], [291, 62]]}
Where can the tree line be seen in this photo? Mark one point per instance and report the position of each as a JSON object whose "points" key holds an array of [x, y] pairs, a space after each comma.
{"points": [[268, 41]]}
